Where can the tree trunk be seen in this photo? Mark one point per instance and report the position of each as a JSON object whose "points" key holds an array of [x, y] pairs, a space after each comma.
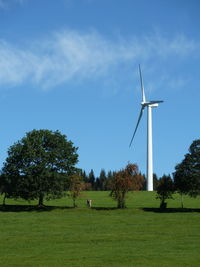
{"points": [[74, 202], [163, 205], [182, 201], [123, 200], [41, 199], [121, 204], [4, 200]]}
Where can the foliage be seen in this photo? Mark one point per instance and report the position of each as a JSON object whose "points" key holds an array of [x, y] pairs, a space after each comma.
{"points": [[155, 181], [125, 180], [37, 166], [76, 186], [102, 183], [91, 178], [138, 181], [7, 186], [165, 190], [102, 180], [187, 174]]}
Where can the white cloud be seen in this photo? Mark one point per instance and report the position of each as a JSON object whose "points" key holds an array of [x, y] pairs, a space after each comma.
{"points": [[71, 56]]}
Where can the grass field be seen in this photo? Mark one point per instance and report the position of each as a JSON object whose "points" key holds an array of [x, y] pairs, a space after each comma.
{"points": [[102, 236]]}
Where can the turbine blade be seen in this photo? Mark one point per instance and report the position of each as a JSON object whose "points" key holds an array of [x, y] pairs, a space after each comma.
{"points": [[142, 86], [139, 118]]}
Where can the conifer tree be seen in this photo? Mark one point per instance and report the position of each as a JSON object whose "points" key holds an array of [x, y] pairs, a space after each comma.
{"points": [[102, 179], [91, 178]]}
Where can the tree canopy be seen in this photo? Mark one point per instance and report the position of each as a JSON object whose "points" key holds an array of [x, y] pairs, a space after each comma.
{"points": [[123, 181], [76, 186], [37, 166], [165, 190], [187, 174]]}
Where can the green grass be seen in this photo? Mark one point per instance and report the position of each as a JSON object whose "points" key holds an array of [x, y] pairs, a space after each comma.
{"points": [[101, 236]]}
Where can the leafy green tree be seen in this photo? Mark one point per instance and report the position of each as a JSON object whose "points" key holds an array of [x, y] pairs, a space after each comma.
{"points": [[37, 166], [187, 173], [76, 186], [122, 182], [165, 190], [7, 186]]}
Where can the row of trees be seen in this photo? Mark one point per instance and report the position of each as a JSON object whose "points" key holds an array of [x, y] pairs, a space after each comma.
{"points": [[42, 166], [103, 181]]}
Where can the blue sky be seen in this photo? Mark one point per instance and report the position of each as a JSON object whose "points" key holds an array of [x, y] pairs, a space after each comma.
{"points": [[72, 65]]}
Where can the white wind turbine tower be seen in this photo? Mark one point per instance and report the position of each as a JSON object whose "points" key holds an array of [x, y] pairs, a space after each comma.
{"points": [[149, 105]]}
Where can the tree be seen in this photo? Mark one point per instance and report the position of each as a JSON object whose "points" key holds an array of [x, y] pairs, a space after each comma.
{"points": [[165, 189], [144, 187], [7, 186], [155, 181], [102, 180], [76, 186], [37, 166], [97, 185], [122, 182], [138, 182], [87, 185], [187, 173], [84, 175], [91, 179], [110, 177]]}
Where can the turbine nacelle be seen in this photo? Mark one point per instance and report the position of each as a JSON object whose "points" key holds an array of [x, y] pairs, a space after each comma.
{"points": [[154, 105], [151, 103]]}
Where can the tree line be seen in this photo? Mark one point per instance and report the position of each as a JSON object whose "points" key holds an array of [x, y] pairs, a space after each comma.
{"points": [[42, 165], [103, 181]]}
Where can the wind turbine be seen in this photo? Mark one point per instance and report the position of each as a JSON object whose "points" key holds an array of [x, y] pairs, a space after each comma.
{"points": [[149, 105]]}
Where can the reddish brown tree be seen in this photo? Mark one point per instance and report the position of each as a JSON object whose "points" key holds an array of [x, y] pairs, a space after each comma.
{"points": [[76, 186], [123, 181]]}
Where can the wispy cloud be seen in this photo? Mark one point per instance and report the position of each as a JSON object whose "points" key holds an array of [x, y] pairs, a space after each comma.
{"points": [[5, 4], [2, 4], [70, 56]]}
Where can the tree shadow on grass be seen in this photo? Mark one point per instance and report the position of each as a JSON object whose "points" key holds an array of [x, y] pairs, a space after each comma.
{"points": [[104, 208], [21, 208], [170, 210]]}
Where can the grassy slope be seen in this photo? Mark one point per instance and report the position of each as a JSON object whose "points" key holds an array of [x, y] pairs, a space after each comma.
{"points": [[101, 237]]}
